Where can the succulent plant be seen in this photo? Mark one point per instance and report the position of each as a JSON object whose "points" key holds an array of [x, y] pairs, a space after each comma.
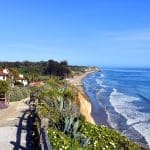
{"points": [[75, 128], [86, 142], [68, 123]]}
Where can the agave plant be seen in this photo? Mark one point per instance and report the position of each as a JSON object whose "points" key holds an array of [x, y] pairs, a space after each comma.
{"points": [[72, 127], [60, 103], [75, 128], [68, 123], [85, 142]]}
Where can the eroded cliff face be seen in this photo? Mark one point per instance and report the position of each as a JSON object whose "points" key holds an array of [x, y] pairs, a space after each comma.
{"points": [[85, 108]]}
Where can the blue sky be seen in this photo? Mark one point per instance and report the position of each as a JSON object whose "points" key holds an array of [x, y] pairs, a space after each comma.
{"points": [[84, 32]]}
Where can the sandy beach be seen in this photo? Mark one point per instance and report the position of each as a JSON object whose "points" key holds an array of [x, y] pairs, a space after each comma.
{"points": [[87, 109]]}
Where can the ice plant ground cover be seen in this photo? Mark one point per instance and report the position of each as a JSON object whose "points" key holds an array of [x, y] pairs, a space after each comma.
{"points": [[99, 137]]}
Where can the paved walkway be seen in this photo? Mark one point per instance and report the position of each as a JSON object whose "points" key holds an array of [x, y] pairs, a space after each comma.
{"points": [[13, 121]]}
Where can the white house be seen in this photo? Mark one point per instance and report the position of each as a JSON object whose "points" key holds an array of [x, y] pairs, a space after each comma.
{"points": [[22, 80], [4, 73]]}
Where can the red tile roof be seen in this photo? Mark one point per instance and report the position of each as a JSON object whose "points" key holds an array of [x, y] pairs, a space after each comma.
{"points": [[36, 84], [2, 73], [19, 78]]}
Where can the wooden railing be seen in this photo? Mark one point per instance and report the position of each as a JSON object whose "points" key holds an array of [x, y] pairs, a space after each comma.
{"points": [[45, 145], [42, 126]]}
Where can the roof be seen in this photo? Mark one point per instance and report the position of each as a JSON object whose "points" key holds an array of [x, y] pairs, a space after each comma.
{"points": [[37, 84], [2, 73], [19, 78]]}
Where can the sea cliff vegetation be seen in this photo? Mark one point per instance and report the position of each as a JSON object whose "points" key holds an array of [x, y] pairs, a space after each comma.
{"points": [[68, 129]]}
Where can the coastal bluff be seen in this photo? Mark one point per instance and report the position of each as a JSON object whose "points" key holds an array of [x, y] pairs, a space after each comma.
{"points": [[85, 105]]}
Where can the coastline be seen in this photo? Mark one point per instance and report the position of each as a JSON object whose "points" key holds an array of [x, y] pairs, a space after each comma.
{"points": [[87, 108], [97, 112]]}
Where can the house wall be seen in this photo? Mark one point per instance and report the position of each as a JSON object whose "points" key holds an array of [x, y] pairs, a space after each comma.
{"points": [[24, 82], [3, 78], [6, 71], [21, 75]]}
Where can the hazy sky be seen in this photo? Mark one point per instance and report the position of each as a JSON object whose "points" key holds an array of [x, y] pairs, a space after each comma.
{"points": [[97, 32]]}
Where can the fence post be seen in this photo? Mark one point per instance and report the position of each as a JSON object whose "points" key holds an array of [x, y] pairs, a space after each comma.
{"points": [[45, 144]]}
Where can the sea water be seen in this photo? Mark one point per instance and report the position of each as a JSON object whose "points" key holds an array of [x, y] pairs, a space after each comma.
{"points": [[125, 96]]}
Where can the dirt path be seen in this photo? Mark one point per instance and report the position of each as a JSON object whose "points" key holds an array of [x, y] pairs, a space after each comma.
{"points": [[10, 115], [9, 124]]}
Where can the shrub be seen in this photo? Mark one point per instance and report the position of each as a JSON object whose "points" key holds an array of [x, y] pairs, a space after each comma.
{"points": [[4, 87], [16, 93], [25, 92]]}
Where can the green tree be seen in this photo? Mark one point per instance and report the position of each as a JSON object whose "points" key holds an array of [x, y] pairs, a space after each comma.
{"points": [[64, 63], [4, 87], [14, 72]]}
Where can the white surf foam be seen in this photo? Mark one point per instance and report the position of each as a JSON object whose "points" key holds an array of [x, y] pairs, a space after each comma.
{"points": [[100, 82], [102, 75], [144, 129], [112, 122], [123, 104], [99, 92]]}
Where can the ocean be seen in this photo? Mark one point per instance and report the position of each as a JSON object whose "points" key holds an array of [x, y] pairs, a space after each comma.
{"points": [[125, 96]]}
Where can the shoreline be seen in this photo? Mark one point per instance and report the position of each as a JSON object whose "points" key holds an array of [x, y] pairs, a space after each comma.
{"points": [[97, 112], [87, 108]]}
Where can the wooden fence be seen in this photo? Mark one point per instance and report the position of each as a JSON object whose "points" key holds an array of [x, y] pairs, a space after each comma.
{"points": [[42, 126], [3, 101]]}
